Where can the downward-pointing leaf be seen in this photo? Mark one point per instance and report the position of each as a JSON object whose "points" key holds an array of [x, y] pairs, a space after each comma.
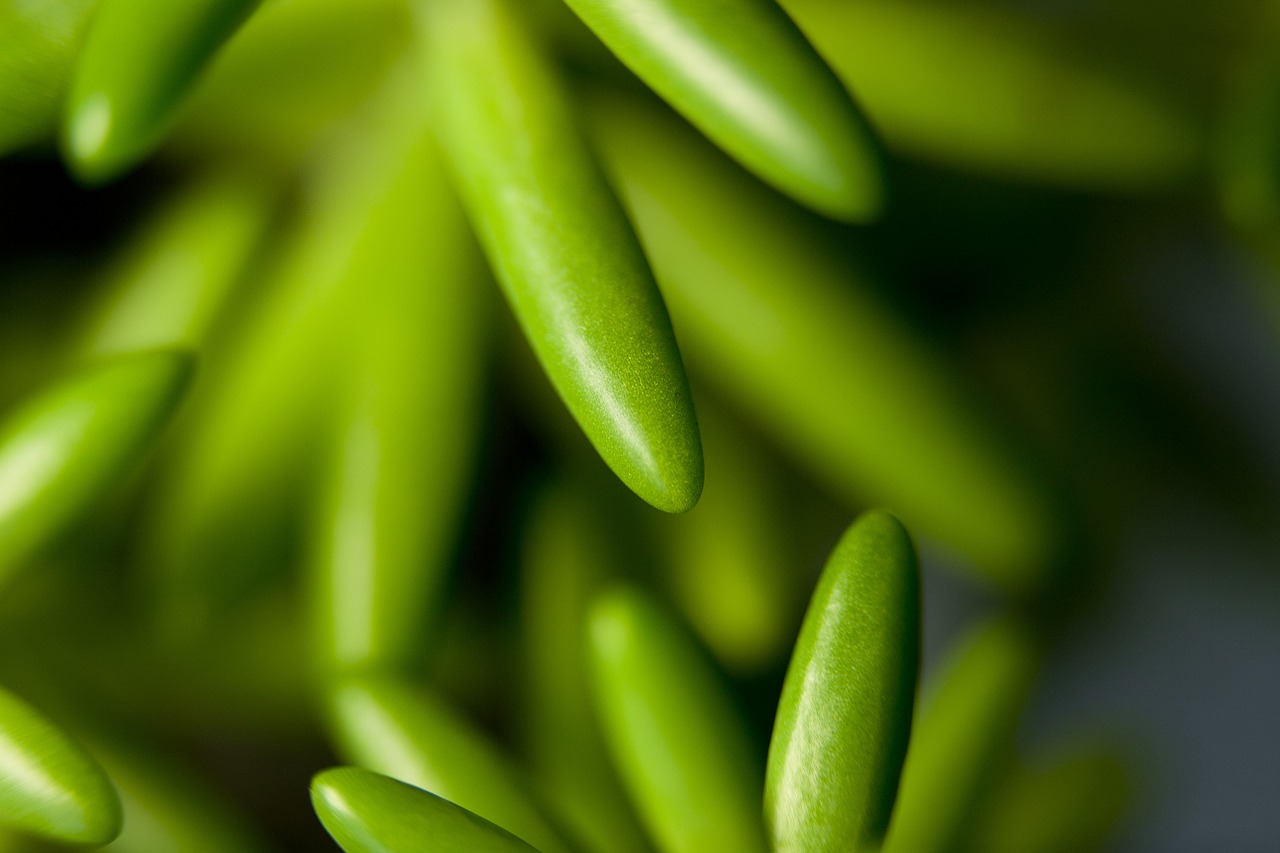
{"points": [[369, 813], [682, 749], [49, 786], [845, 713], [743, 73], [387, 726], [138, 60], [567, 259], [66, 446]]}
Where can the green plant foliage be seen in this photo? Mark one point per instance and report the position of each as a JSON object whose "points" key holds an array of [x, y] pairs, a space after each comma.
{"points": [[845, 713], [757, 88], [51, 787], [368, 813], [568, 262], [138, 61], [64, 447]]}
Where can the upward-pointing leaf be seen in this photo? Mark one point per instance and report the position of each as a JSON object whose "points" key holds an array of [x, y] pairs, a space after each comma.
{"points": [[65, 446], [845, 714], [743, 73], [567, 259], [49, 786]]}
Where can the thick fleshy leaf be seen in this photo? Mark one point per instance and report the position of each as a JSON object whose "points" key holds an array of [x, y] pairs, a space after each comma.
{"points": [[675, 736], [369, 813], [410, 392], [565, 561], [138, 61], [562, 250], [845, 714], [170, 284], [743, 73], [68, 444], [962, 739], [49, 786], [782, 322], [384, 724], [979, 88], [38, 43]]}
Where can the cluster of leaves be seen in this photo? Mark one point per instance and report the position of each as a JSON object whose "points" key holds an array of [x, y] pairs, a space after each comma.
{"points": [[308, 306]]}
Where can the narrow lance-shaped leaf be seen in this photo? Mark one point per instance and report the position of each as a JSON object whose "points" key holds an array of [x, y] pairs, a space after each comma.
{"points": [[64, 447], [743, 73], [797, 336], [409, 411], [962, 739], [562, 250], [385, 725], [369, 813], [38, 43], [845, 714], [49, 786], [682, 748], [138, 60], [172, 281]]}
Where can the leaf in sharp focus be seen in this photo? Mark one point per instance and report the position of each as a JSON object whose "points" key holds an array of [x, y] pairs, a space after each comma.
{"points": [[388, 726], [38, 43], [845, 713], [49, 786], [66, 446], [680, 745], [411, 388], [369, 813], [139, 59], [798, 337], [562, 249], [746, 76], [978, 88], [962, 739]]}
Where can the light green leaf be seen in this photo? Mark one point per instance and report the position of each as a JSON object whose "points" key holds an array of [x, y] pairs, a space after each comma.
{"points": [[562, 250], [383, 724], [138, 61], [675, 736], [49, 786], [369, 813], [782, 322], [68, 444], [845, 714], [743, 73]]}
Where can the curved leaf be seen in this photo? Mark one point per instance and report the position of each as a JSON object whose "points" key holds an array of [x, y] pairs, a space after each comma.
{"points": [[369, 813], [566, 258], [64, 447], [845, 714], [49, 786], [385, 725], [138, 60], [745, 75], [681, 747]]}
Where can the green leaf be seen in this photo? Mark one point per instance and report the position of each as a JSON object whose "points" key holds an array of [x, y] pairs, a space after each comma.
{"points": [[409, 414], [138, 60], [962, 740], [385, 725], [369, 813], [50, 786], [743, 73], [67, 445], [562, 250], [979, 88], [681, 747], [779, 319], [173, 279], [845, 713], [38, 43]]}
